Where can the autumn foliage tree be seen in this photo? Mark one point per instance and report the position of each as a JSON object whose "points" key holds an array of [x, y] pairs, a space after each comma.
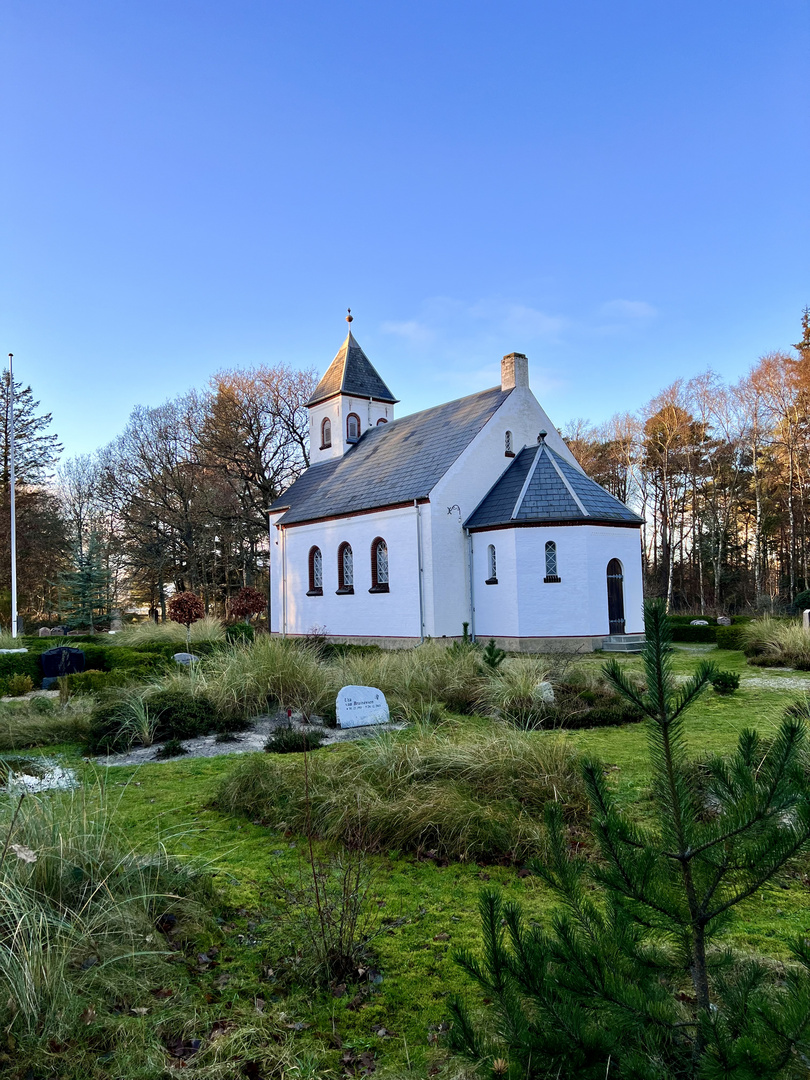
{"points": [[186, 608], [248, 603]]}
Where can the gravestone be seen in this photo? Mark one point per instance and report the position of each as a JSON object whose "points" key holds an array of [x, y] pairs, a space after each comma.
{"points": [[699, 622], [44, 631], [359, 706], [544, 692], [724, 620], [185, 658], [806, 621], [61, 661]]}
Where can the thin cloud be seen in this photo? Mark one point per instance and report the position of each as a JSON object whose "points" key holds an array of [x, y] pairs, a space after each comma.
{"points": [[411, 330]]}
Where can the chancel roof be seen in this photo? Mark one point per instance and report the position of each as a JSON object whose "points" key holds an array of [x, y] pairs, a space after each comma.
{"points": [[393, 463], [540, 486], [351, 372]]}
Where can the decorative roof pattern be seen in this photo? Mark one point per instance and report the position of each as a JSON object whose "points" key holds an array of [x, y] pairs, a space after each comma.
{"points": [[540, 486], [351, 372], [393, 463]]}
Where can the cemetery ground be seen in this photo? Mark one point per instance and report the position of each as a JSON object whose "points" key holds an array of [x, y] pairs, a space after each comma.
{"points": [[224, 980]]}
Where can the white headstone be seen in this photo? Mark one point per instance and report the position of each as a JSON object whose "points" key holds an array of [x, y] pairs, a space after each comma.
{"points": [[806, 621], [185, 658], [698, 622], [358, 706], [724, 620], [544, 692]]}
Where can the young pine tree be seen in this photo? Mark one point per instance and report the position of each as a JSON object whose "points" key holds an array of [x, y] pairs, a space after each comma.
{"points": [[630, 980]]}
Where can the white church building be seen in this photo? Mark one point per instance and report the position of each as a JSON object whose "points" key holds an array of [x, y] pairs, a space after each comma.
{"points": [[474, 511]]}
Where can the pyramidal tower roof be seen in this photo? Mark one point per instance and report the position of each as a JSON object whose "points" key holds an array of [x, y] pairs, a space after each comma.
{"points": [[351, 372]]}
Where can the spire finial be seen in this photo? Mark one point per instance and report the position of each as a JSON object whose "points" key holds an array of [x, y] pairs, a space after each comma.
{"points": [[350, 318], [541, 437]]}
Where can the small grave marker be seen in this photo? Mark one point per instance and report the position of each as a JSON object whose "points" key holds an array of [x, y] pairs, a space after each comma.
{"points": [[806, 621], [185, 658], [359, 706], [698, 622]]}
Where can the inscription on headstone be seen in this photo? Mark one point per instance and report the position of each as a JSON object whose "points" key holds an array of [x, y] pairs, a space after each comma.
{"points": [[724, 620], [358, 706]]}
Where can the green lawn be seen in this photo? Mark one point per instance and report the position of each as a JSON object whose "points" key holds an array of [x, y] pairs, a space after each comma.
{"points": [[431, 908]]}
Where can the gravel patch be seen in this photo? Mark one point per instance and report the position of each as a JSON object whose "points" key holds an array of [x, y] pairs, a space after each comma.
{"points": [[249, 741]]}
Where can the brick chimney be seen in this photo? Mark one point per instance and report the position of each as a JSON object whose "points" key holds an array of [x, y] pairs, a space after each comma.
{"points": [[514, 371]]}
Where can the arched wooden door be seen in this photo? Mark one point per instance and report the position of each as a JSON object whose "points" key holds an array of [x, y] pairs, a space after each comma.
{"points": [[615, 592]]}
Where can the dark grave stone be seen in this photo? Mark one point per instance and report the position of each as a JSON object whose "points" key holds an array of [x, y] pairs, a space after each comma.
{"points": [[61, 661]]}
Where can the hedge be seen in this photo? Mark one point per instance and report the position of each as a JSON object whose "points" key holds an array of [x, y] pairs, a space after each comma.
{"points": [[730, 637], [21, 664], [694, 633]]}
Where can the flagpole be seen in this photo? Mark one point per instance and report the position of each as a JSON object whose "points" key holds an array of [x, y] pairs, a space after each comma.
{"points": [[13, 498]]}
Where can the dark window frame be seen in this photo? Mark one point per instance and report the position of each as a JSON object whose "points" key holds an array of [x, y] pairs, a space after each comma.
{"points": [[351, 438], [343, 588], [315, 590], [378, 586], [326, 429]]}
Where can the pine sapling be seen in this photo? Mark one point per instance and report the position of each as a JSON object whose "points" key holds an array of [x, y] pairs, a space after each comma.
{"points": [[630, 979]]}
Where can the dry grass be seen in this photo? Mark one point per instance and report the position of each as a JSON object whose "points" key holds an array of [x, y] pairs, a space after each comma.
{"points": [[207, 629], [464, 791], [514, 692], [43, 722], [778, 642]]}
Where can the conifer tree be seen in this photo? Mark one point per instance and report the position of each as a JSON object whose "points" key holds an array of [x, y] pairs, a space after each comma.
{"points": [[85, 592], [631, 980]]}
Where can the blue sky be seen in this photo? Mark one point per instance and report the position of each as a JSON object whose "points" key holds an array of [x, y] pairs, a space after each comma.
{"points": [[619, 190]]}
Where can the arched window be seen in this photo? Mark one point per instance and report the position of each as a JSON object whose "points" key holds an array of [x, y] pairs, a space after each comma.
{"points": [[345, 569], [382, 420], [492, 566], [315, 572], [379, 565], [352, 427], [552, 576], [326, 433], [509, 449]]}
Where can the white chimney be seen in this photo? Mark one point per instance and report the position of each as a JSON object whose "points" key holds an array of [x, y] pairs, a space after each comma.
{"points": [[514, 371]]}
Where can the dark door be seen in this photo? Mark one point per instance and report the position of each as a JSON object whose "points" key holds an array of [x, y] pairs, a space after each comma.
{"points": [[615, 589]]}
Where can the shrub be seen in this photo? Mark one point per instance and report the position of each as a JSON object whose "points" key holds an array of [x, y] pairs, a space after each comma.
{"points": [[470, 791], [94, 682], [694, 634], [802, 601], [492, 656], [725, 682], [118, 721], [171, 748], [248, 602], [21, 664], [18, 685], [730, 637], [239, 632], [290, 740]]}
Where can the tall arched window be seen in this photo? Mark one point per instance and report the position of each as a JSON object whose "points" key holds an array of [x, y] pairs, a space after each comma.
{"points": [[326, 433], [509, 449], [492, 566], [352, 427], [379, 566], [315, 572], [345, 569], [552, 574]]}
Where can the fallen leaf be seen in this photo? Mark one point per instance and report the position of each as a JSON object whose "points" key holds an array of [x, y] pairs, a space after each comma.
{"points": [[89, 1015], [24, 854]]}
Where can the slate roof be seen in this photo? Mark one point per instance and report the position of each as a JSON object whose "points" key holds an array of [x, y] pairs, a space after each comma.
{"points": [[392, 463], [540, 486], [351, 372]]}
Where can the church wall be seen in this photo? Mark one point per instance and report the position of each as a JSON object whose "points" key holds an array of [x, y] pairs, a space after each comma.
{"points": [[465, 484], [522, 606], [388, 616]]}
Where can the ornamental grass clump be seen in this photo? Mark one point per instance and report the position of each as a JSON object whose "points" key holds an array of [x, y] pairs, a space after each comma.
{"points": [[460, 791], [630, 977], [518, 692], [207, 629], [77, 912], [777, 643]]}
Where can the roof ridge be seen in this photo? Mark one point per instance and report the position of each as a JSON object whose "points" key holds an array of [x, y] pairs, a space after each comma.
{"points": [[552, 456], [527, 481]]}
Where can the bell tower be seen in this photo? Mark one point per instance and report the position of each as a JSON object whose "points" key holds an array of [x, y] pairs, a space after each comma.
{"points": [[349, 399]]}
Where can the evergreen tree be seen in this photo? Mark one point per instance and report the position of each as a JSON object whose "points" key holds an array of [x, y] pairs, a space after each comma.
{"points": [[85, 591], [631, 980]]}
